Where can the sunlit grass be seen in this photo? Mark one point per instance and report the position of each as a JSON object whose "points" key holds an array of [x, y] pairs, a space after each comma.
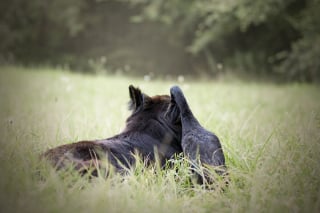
{"points": [[270, 135]]}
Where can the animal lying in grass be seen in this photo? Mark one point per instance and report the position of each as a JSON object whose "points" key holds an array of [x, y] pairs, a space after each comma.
{"points": [[200, 145], [153, 130]]}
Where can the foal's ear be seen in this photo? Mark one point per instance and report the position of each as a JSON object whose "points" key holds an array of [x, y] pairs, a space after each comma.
{"points": [[136, 98]]}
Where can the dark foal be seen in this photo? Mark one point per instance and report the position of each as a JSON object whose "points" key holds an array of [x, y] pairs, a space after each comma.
{"points": [[200, 145], [159, 126], [151, 127]]}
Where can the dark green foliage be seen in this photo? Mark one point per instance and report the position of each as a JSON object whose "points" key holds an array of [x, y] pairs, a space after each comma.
{"points": [[275, 38], [302, 61], [86, 35], [271, 36], [37, 29]]}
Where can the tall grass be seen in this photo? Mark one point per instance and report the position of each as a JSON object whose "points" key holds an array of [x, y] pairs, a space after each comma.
{"points": [[269, 133]]}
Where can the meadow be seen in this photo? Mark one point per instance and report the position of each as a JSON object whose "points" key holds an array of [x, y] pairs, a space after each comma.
{"points": [[270, 134]]}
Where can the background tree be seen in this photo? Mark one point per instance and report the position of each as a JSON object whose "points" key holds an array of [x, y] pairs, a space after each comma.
{"points": [[274, 38]]}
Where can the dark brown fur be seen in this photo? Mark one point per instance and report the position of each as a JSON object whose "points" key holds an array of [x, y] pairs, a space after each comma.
{"points": [[153, 125]]}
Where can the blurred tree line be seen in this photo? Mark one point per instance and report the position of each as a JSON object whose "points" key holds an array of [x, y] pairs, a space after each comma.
{"points": [[275, 38]]}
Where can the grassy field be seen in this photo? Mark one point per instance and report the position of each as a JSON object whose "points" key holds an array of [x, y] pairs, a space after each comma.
{"points": [[270, 135]]}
